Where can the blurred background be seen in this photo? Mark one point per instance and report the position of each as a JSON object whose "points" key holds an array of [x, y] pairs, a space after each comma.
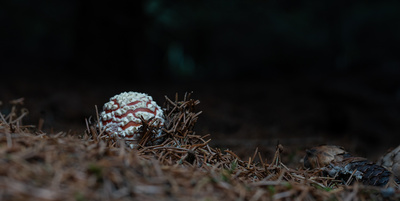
{"points": [[299, 72]]}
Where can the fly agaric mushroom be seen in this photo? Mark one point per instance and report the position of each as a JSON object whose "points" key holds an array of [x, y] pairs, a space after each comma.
{"points": [[121, 116]]}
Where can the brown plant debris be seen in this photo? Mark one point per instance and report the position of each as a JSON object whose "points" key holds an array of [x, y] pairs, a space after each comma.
{"points": [[179, 166], [391, 161], [338, 163]]}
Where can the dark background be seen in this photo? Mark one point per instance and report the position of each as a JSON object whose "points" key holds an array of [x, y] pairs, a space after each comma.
{"points": [[299, 72]]}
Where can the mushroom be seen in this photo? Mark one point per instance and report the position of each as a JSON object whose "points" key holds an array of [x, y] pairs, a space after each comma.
{"points": [[121, 116]]}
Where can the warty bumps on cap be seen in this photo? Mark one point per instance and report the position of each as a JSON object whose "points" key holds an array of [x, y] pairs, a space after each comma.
{"points": [[121, 116]]}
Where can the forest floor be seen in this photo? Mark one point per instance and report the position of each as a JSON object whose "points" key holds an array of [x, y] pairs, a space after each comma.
{"points": [[248, 144]]}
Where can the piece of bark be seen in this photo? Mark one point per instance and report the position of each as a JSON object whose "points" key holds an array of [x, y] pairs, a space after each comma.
{"points": [[337, 162], [391, 161]]}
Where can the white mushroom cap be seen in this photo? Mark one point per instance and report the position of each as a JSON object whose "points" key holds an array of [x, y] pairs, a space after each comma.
{"points": [[121, 115]]}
